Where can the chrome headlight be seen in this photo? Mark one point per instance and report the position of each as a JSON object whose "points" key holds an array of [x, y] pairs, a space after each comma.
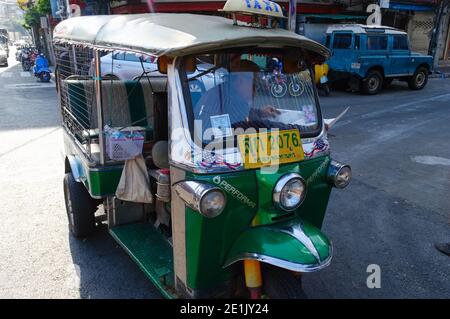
{"points": [[339, 175], [206, 199], [289, 192]]}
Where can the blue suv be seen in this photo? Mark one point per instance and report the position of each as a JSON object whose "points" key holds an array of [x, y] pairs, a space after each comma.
{"points": [[371, 57]]}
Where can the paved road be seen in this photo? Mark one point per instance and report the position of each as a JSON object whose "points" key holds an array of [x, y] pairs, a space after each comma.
{"points": [[396, 208]]}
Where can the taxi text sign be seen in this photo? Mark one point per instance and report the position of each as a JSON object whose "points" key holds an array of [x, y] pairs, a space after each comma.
{"points": [[270, 148]]}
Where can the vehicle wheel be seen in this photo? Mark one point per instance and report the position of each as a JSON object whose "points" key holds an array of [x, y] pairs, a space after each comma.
{"points": [[296, 88], [387, 82], [44, 77], [26, 66], [80, 207], [278, 90], [282, 284], [419, 79], [373, 82]]}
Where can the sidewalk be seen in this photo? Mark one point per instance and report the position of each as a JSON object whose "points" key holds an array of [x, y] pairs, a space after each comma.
{"points": [[442, 71], [52, 75]]}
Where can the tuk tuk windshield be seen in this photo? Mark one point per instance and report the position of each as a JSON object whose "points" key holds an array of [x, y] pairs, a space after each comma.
{"points": [[230, 91]]}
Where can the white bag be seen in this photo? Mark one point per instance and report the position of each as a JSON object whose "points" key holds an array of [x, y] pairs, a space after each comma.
{"points": [[134, 184]]}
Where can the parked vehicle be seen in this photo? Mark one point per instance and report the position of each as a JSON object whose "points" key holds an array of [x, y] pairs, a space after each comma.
{"points": [[41, 69], [128, 66], [27, 57], [371, 57], [241, 219], [3, 57], [4, 41]]}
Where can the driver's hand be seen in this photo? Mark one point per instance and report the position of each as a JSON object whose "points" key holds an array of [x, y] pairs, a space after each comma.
{"points": [[269, 111]]}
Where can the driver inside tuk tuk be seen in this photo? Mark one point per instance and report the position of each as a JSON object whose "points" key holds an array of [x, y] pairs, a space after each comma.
{"points": [[234, 97]]}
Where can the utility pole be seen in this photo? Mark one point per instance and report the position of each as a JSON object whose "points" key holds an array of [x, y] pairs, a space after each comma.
{"points": [[436, 34], [292, 15]]}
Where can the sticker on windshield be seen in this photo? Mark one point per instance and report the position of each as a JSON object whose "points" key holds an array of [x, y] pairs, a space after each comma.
{"points": [[221, 125]]}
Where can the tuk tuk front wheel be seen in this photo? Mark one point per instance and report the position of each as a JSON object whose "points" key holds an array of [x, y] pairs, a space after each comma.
{"points": [[280, 283], [373, 82], [419, 79], [80, 207]]}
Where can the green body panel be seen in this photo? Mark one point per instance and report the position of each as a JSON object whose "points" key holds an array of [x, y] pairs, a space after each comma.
{"points": [[318, 191], [104, 181], [151, 251], [271, 241], [210, 241], [100, 181]]}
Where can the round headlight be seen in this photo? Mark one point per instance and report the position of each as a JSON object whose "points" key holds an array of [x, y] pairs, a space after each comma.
{"points": [[343, 177], [339, 174], [289, 192], [212, 203]]}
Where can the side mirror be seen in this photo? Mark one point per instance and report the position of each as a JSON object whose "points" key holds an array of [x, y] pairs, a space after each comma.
{"points": [[330, 122], [163, 62]]}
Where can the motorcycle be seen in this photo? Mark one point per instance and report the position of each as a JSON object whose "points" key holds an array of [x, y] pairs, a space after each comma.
{"points": [[41, 69], [27, 57]]}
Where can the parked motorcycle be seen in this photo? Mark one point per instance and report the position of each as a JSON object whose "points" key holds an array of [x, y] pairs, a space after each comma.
{"points": [[41, 69], [27, 57]]}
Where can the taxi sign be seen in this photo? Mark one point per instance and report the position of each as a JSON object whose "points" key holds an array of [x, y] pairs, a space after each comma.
{"points": [[254, 7]]}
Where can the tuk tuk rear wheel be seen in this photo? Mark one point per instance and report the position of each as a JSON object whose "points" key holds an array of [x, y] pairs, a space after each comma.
{"points": [[280, 283], [80, 207], [373, 82]]}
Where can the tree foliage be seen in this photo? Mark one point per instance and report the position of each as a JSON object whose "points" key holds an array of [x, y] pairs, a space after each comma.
{"points": [[33, 12]]}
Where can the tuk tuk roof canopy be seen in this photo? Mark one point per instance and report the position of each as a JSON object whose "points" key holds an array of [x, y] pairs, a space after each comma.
{"points": [[174, 34]]}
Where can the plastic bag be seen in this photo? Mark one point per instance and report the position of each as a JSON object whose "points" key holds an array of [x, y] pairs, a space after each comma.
{"points": [[134, 184]]}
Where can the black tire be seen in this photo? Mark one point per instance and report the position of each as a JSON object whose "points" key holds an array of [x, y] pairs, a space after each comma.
{"points": [[280, 283], [45, 77], [373, 82], [419, 79], [80, 207], [387, 82], [26, 66]]}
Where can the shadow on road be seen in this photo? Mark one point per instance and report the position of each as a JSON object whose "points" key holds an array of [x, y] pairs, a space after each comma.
{"points": [[103, 270]]}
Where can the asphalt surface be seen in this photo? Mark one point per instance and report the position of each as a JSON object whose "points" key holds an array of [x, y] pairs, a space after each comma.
{"points": [[396, 208]]}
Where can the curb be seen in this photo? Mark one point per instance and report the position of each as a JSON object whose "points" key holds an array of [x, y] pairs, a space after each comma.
{"points": [[439, 75]]}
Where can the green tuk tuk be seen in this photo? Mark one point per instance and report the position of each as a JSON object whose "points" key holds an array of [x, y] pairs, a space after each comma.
{"points": [[215, 187]]}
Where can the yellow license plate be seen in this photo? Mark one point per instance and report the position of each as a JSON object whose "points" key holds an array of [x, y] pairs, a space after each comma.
{"points": [[270, 148]]}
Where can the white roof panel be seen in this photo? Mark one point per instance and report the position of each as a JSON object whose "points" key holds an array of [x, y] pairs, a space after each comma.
{"points": [[362, 28]]}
